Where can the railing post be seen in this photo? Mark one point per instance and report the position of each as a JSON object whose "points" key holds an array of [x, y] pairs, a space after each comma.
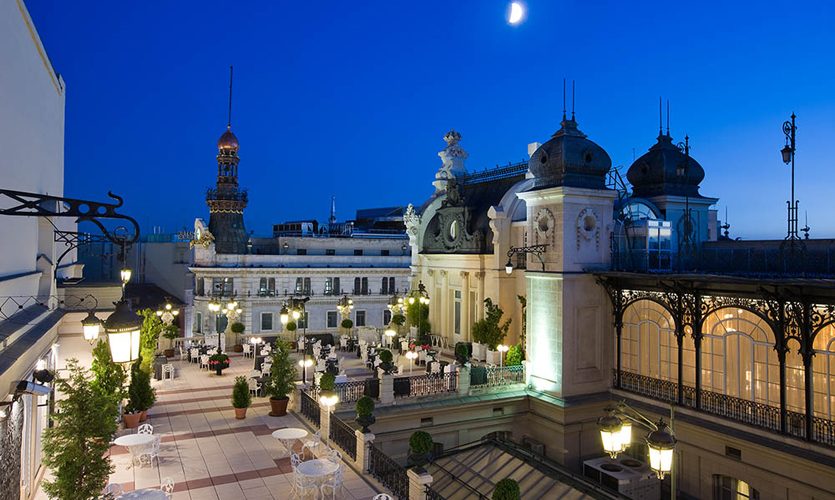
{"points": [[463, 380], [364, 441], [419, 479], [386, 389], [325, 422], [781, 357], [809, 394]]}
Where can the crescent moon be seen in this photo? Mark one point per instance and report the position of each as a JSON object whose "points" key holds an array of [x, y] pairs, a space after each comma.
{"points": [[516, 13]]}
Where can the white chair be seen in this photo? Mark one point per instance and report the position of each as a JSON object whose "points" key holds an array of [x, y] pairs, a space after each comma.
{"points": [[254, 373], [313, 442], [151, 452], [195, 355], [266, 367], [247, 350], [167, 486], [334, 456], [421, 357], [295, 460], [204, 361], [333, 484], [183, 353], [112, 490], [300, 344], [211, 352], [254, 386], [435, 368], [321, 365], [145, 429], [304, 486], [343, 343], [168, 371]]}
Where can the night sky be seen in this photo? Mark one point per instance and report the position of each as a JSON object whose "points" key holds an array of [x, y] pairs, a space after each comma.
{"points": [[352, 99]]}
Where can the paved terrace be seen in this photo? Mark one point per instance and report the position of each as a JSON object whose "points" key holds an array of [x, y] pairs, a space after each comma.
{"points": [[211, 455]]}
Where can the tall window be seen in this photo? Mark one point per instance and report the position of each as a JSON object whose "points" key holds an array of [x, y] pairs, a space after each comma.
{"points": [[328, 286], [266, 321], [384, 290], [364, 288], [392, 288], [200, 287], [360, 318], [303, 286], [823, 373], [456, 313], [738, 357], [223, 286], [729, 488], [357, 284], [336, 288], [198, 323], [332, 319], [386, 317], [262, 287], [648, 343]]}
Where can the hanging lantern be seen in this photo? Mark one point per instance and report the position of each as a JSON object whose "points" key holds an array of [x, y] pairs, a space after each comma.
{"points": [[91, 326], [122, 328], [610, 433], [661, 444], [284, 315]]}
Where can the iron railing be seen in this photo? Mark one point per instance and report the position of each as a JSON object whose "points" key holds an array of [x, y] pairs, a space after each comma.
{"points": [[493, 174], [432, 494], [501, 375], [390, 474], [310, 408], [343, 436], [426, 385], [741, 410], [350, 392]]}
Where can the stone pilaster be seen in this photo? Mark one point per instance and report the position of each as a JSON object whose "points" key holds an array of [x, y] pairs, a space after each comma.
{"points": [[364, 442], [325, 422], [463, 380], [419, 479], [386, 389]]}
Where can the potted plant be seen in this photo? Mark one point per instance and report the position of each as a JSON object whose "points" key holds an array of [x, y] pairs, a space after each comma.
{"points": [[241, 398], [219, 362], [347, 324], [507, 489], [133, 410], [291, 326], [490, 330], [281, 381], [170, 332], [515, 355], [386, 358], [237, 328], [478, 334], [108, 377], [462, 353], [140, 393], [327, 385], [365, 410], [420, 448]]}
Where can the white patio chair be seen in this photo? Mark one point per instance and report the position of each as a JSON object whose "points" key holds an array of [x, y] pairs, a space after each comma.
{"points": [[254, 386], [168, 371], [183, 353], [195, 355], [167, 486], [304, 486], [145, 429], [333, 485], [343, 343], [247, 350], [300, 344], [312, 442], [435, 368], [266, 367], [204, 361], [254, 373]]}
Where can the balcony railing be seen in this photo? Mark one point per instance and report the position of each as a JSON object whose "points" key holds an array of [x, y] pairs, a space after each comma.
{"points": [[310, 408], [497, 376], [343, 436], [391, 474], [748, 412], [426, 385]]}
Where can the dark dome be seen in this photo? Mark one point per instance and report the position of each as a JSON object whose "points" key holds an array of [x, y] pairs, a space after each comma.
{"points": [[227, 140], [657, 172], [569, 159]]}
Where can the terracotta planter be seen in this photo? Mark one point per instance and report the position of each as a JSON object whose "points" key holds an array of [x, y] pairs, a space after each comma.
{"points": [[240, 413], [238, 348], [143, 415], [131, 420], [169, 353], [278, 406]]}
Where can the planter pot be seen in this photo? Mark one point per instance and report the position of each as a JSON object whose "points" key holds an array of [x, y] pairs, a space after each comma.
{"points": [[240, 413], [278, 406], [238, 348], [492, 357], [169, 353], [143, 415], [131, 420], [419, 460], [365, 421], [479, 351]]}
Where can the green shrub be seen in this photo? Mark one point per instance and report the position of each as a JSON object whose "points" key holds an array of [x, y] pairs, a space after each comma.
{"points": [[420, 443], [347, 324], [149, 333], [490, 330], [282, 373], [386, 356], [365, 406], [241, 398], [327, 382], [108, 377], [507, 489], [398, 319], [291, 326], [462, 353], [237, 328], [515, 355], [141, 395]]}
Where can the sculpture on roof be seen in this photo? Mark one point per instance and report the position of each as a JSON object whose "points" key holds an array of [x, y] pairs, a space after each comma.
{"points": [[452, 158]]}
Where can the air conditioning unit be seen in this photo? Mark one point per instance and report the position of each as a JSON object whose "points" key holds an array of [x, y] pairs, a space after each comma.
{"points": [[629, 477], [533, 445]]}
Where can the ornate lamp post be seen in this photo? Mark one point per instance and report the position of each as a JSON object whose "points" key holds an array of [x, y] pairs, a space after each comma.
{"points": [[536, 250], [167, 313], [687, 245], [91, 326], [305, 363], [344, 306], [502, 349], [787, 153]]}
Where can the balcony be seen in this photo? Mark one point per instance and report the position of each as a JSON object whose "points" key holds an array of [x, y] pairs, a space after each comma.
{"points": [[735, 409]]}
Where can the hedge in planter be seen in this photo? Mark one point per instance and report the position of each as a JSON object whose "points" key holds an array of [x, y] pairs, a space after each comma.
{"points": [[237, 328], [463, 352], [291, 326], [365, 413], [241, 398], [507, 489], [347, 324], [386, 364], [515, 356], [420, 448]]}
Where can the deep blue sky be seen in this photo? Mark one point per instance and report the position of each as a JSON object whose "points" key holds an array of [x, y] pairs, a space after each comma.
{"points": [[352, 98]]}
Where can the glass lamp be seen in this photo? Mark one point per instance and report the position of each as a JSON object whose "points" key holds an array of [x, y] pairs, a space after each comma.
{"points": [[625, 434], [125, 275], [786, 152], [122, 328], [411, 300], [661, 444], [284, 315], [508, 268], [296, 314], [610, 433], [328, 398], [91, 326]]}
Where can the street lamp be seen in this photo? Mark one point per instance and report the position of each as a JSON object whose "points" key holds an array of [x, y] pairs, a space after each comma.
{"points": [[344, 306], [390, 333], [125, 275], [305, 364], [122, 329], [91, 326], [787, 154], [537, 250], [328, 398], [661, 444], [616, 434], [284, 315], [411, 356], [167, 313], [502, 349]]}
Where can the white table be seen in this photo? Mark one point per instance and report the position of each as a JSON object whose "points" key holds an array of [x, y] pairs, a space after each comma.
{"points": [[288, 435], [147, 494], [317, 468], [136, 444]]}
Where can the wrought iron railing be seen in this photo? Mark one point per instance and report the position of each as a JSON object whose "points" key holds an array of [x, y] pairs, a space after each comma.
{"points": [[310, 408], [343, 436], [493, 174], [433, 495], [390, 474], [502, 375], [426, 385], [740, 410], [350, 392]]}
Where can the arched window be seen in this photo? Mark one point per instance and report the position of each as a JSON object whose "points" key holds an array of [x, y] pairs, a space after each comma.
{"points": [[738, 357], [823, 373], [648, 341]]}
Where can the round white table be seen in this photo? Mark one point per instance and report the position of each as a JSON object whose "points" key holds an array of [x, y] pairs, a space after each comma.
{"points": [[288, 435], [136, 444], [147, 494], [317, 468]]}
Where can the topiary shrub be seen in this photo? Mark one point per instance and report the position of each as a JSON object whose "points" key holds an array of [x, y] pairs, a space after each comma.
{"points": [[420, 448], [398, 319], [237, 328], [386, 358], [327, 382], [515, 355], [347, 324], [507, 489], [462, 353], [140, 393], [365, 410], [291, 326], [241, 398]]}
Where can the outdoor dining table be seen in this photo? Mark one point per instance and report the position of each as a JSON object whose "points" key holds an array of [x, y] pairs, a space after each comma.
{"points": [[146, 494], [318, 468], [288, 435], [136, 444]]}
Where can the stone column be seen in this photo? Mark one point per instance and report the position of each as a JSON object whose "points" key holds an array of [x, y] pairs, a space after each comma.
{"points": [[463, 380], [364, 442], [386, 389], [419, 479], [325, 422]]}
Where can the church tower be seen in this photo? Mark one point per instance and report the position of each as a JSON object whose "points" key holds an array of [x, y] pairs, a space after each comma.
{"points": [[227, 201]]}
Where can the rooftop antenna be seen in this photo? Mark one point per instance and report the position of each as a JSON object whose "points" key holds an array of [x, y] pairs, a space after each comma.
{"points": [[332, 219], [563, 99], [660, 119], [229, 116], [572, 100], [726, 226], [668, 117]]}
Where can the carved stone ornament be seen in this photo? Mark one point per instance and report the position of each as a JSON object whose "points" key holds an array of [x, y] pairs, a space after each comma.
{"points": [[588, 227], [544, 226], [202, 235]]}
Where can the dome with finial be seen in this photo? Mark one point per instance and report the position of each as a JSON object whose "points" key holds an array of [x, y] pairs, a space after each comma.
{"points": [[569, 159], [665, 170], [227, 141]]}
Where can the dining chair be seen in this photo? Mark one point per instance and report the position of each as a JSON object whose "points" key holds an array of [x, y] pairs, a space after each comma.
{"points": [[247, 350], [304, 485], [145, 429], [152, 452], [167, 486], [168, 371], [204, 361], [266, 367], [183, 352], [333, 485], [255, 373], [195, 355], [254, 387]]}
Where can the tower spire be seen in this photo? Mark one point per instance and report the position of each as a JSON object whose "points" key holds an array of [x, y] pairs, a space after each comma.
{"points": [[563, 99], [332, 218], [660, 118], [229, 115]]}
